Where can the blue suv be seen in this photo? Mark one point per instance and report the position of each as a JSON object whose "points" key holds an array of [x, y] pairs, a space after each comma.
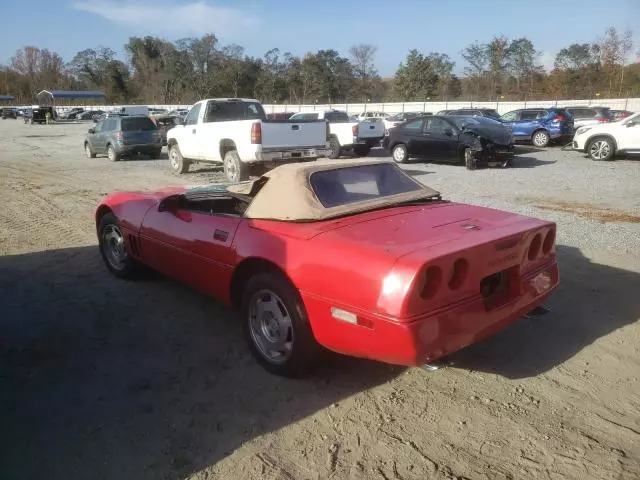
{"points": [[540, 125]]}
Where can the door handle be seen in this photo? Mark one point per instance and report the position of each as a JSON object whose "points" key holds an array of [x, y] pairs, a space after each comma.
{"points": [[295, 127], [220, 235], [193, 131]]}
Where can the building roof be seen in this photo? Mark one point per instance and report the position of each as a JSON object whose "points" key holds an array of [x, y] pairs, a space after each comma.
{"points": [[73, 94], [7, 97]]}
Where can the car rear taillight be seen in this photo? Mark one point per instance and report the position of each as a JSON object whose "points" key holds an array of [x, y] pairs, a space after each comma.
{"points": [[432, 281], [559, 118], [458, 274], [534, 247], [119, 136], [355, 130], [256, 133], [549, 241]]}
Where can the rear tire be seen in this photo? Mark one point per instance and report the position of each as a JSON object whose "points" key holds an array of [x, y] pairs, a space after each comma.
{"points": [[601, 148], [177, 163], [112, 154], [235, 170], [113, 250], [276, 326], [400, 153], [540, 139], [362, 150], [334, 148]]}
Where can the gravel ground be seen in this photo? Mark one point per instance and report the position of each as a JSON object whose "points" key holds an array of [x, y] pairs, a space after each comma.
{"points": [[102, 378]]}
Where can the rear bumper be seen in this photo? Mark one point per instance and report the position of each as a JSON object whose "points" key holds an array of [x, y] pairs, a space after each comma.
{"points": [[430, 337], [138, 148], [370, 141], [285, 155]]}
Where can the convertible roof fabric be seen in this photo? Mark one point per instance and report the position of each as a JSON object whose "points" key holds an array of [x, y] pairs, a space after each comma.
{"points": [[287, 195]]}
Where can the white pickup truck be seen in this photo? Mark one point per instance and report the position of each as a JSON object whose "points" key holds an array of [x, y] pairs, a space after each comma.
{"points": [[236, 133], [345, 134]]}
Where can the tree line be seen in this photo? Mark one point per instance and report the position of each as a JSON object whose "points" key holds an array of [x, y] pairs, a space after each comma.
{"points": [[158, 71]]}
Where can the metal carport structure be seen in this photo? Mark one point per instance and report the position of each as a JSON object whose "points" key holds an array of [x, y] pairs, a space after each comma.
{"points": [[52, 97]]}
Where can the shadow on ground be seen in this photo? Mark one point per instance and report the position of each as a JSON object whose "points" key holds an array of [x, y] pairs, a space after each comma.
{"points": [[102, 378], [523, 161], [592, 301]]}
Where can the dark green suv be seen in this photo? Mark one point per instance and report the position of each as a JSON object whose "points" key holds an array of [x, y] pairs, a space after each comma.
{"points": [[123, 137]]}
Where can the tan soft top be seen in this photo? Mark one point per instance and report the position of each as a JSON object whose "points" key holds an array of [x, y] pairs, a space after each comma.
{"points": [[287, 195]]}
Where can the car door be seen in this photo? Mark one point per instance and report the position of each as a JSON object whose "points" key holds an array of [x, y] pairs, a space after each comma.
{"points": [[191, 245], [526, 123], [440, 140], [628, 135], [94, 138], [413, 137], [190, 145]]}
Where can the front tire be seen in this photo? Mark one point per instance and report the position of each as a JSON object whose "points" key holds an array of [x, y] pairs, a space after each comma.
{"points": [[177, 163], [235, 170], [112, 154], [400, 153], [276, 326], [361, 150], [540, 138], [113, 249], [470, 161], [88, 152], [601, 148]]}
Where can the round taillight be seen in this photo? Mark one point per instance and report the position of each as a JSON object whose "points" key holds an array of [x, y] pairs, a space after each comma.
{"points": [[458, 274], [432, 280], [534, 248], [549, 240]]}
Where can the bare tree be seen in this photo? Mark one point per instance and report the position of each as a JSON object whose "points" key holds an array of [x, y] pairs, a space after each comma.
{"points": [[362, 58]]}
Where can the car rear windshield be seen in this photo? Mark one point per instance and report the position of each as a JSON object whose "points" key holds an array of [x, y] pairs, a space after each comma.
{"points": [[343, 186], [137, 124]]}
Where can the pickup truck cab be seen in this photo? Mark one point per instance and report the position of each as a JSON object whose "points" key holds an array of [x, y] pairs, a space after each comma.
{"points": [[345, 134], [236, 133]]}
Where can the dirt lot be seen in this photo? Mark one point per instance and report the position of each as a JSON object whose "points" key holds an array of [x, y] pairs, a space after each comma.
{"points": [[101, 378]]}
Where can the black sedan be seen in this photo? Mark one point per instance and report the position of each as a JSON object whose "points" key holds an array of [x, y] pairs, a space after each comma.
{"points": [[468, 140]]}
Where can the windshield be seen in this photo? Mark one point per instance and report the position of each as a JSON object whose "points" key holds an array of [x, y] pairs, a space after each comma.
{"points": [[355, 184]]}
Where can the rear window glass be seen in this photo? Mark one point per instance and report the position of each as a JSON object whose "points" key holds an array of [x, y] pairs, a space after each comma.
{"points": [[137, 123], [300, 117], [356, 184], [233, 110]]}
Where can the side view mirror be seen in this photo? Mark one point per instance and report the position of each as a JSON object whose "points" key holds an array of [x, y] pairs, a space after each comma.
{"points": [[448, 132], [92, 130]]}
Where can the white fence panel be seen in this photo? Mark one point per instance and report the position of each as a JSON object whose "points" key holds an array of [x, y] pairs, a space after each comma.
{"points": [[632, 104]]}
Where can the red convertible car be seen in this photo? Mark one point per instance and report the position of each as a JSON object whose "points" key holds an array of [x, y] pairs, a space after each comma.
{"points": [[353, 256]]}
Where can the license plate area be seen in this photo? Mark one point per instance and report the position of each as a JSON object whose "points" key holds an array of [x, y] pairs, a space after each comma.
{"points": [[499, 288]]}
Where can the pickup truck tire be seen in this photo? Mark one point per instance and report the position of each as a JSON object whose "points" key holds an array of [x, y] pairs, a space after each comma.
{"points": [[234, 169], [334, 148], [362, 150], [177, 163]]}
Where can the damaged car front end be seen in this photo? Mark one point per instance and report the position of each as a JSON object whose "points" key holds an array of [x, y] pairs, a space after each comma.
{"points": [[485, 142]]}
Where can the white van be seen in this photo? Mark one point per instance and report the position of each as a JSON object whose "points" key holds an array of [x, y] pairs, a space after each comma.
{"points": [[133, 110]]}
